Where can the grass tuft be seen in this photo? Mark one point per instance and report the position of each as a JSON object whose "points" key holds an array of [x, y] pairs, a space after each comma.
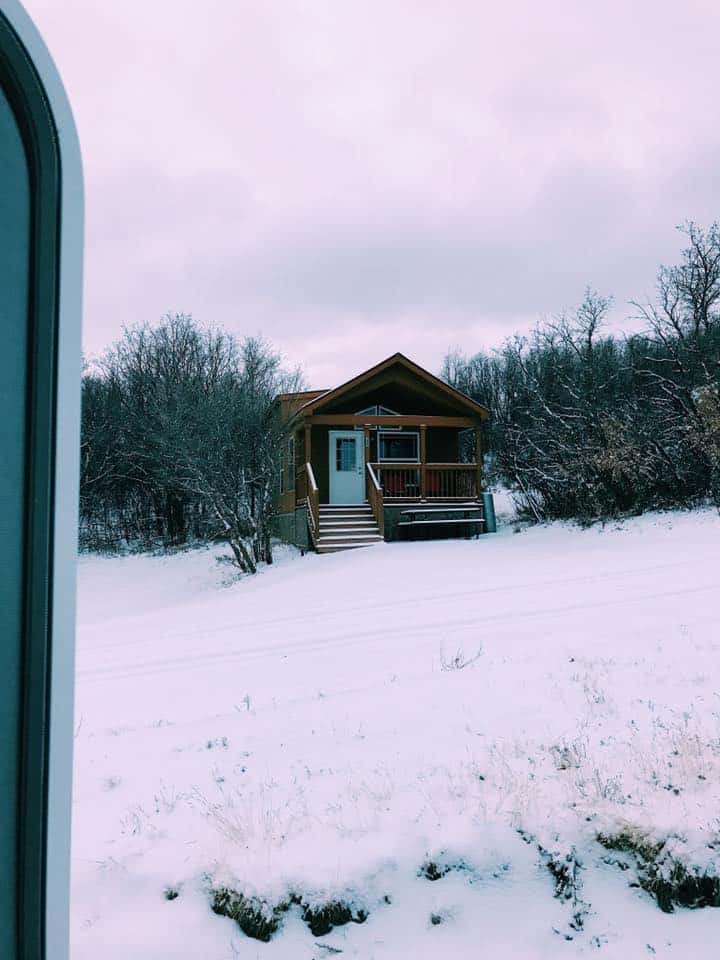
{"points": [[667, 878]]}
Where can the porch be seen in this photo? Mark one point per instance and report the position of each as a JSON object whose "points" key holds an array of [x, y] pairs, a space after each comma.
{"points": [[382, 465]]}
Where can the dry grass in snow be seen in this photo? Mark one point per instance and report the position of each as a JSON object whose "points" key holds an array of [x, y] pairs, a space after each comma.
{"points": [[508, 745]]}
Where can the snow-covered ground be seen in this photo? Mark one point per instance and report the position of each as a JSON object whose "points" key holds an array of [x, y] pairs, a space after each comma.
{"points": [[330, 727]]}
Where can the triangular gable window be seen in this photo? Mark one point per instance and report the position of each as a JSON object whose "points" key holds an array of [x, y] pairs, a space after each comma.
{"points": [[378, 411]]}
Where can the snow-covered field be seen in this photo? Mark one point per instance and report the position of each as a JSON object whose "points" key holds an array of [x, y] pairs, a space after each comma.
{"points": [[343, 728]]}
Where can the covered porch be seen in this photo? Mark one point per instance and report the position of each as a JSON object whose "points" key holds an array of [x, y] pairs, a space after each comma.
{"points": [[386, 461]]}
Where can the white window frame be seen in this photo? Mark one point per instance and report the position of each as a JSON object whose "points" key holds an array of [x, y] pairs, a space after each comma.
{"points": [[392, 433], [378, 410], [374, 411]]}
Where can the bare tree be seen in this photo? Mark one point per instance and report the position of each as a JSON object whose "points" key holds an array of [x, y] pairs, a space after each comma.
{"points": [[224, 449], [587, 425], [181, 439]]}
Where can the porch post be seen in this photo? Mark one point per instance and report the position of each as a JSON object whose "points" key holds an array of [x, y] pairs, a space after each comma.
{"points": [[478, 460], [308, 449], [298, 469], [423, 458], [366, 433]]}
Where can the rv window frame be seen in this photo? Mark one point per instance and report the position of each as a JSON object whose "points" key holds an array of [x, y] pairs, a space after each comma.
{"points": [[35, 95]]}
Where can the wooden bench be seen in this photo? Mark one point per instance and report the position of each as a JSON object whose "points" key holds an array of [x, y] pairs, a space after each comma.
{"points": [[425, 512]]}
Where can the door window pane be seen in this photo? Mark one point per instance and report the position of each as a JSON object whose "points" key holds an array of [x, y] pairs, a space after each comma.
{"points": [[345, 454]]}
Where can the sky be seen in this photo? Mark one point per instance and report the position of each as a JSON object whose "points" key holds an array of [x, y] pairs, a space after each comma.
{"points": [[351, 178]]}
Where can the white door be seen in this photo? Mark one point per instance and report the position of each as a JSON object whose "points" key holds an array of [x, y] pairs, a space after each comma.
{"points": [[347, 466]]}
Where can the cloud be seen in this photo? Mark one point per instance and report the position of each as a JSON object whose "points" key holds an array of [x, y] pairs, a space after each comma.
{"points": [[406, 174]]}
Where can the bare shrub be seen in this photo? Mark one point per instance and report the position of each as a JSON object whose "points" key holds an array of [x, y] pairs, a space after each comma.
{"points": [[569, 755], [459, 659], [565, 869]]}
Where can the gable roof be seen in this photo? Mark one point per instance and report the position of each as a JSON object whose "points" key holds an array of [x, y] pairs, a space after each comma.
{"points": [[397, 359], [290, 402]]}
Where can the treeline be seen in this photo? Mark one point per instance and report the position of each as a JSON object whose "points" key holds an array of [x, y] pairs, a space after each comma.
{"points": [[587, 425], [181, 439]]}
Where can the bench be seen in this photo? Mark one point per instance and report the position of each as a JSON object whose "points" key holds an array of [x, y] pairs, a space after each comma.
{"points": [[468, 518]]}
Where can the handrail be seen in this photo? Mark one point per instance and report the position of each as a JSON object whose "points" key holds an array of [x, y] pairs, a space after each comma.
{"points": [[373, 478], [313, 502], [375, 499], [311, 477]]}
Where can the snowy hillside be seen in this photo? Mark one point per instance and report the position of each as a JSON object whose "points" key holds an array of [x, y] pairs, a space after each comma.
{"points": [[431, 738]]}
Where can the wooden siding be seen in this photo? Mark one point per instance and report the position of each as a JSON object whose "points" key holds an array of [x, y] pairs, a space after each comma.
{"points": [[290, 403], [320, 461], [396, 389], [443, 445]]}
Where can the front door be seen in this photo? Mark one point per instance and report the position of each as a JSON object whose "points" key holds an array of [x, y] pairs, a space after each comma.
{"points": [[347, 466]]}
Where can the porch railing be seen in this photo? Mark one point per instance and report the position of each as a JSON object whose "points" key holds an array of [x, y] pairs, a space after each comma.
{"points": [[313, 504], [428, 481], [375, 498]]}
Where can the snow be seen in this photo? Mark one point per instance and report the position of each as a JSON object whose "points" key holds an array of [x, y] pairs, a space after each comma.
{"points": [[330, 726]]}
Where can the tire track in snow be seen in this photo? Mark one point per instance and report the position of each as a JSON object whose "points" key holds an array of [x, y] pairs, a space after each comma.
{"points": [[378, 635], [334, 613]]}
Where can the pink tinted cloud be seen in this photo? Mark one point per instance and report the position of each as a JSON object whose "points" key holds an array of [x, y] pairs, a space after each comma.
{"points": [[360, 177]]}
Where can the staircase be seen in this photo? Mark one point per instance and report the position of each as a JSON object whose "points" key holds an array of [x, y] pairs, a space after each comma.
{"points": [[344, 527]]}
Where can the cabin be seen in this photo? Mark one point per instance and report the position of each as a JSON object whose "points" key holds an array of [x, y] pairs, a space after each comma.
{"points": [[393, 453]]}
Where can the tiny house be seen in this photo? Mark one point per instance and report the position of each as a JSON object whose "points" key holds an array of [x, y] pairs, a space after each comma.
{"points": [[393, 452]]}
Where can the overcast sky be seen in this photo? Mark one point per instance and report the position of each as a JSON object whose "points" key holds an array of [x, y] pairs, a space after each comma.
{"points": [[355, 177]]}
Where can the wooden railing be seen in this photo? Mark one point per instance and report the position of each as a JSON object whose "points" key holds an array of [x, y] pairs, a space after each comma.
{"points": [[451, 481], [398, 480], [428, 481], [375, 498], [313, 505]]}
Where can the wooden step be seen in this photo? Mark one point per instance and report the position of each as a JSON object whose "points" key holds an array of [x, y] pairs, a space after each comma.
{"points": [[340, 506], [347, 526], [339, 547], [345, 541], [331, 507], [338, 517], [352, 522], [347, 537], [347, 518]]}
